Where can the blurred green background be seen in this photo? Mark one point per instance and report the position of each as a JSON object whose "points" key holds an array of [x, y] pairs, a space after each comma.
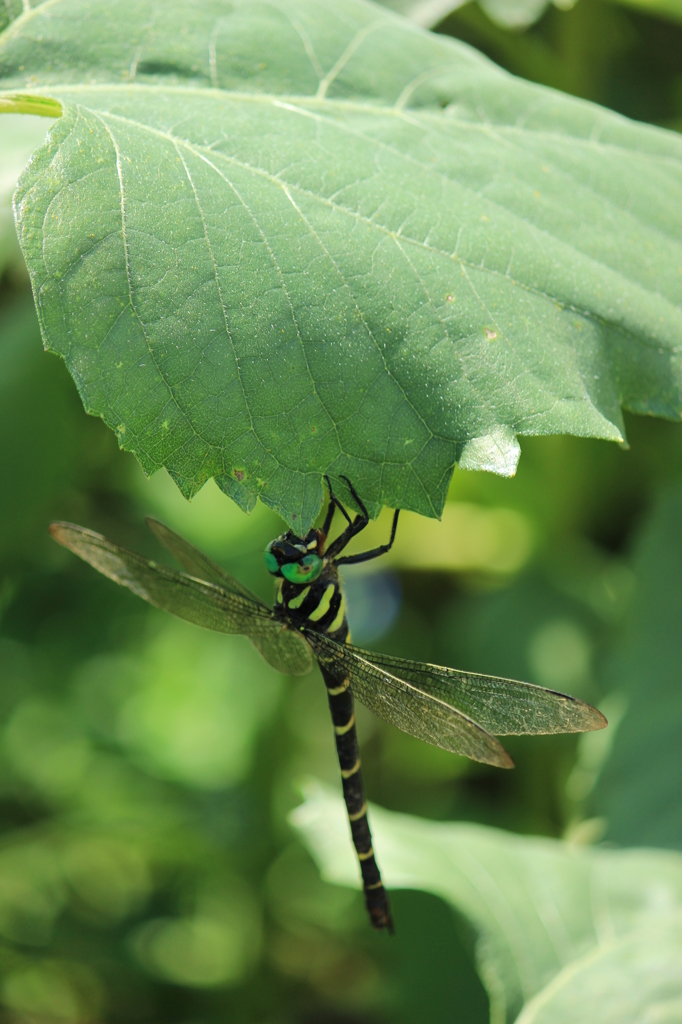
{"points": [[147, 871]]}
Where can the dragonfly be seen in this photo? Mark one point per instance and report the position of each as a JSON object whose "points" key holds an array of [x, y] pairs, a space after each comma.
{"points": [[462, 712]]}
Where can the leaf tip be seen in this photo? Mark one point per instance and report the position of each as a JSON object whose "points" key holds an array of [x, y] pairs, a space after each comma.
{"points": [[497, 452]]}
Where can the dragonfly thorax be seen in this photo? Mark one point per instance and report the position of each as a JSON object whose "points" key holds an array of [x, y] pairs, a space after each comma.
{"points": [[310, 593], [319, 605]]}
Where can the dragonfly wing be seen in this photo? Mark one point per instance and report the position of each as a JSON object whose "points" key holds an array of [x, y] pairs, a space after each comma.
{"points": [[406, 706], [504, 707], [284, 650], [197, 601], [195, 562]]}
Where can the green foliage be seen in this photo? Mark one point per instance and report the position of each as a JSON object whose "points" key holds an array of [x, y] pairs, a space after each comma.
{"points": [[628, 62], [425, 259], [630, 979], [638, 791], [512, 14], [666, 8], [147, 872], [39, 463], [146, 768], [540, 907], [20, 137]]}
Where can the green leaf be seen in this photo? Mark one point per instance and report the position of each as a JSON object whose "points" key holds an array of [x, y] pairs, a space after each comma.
{"points": [[639, 789], [633, 979], [288, 238], [538, 905]]}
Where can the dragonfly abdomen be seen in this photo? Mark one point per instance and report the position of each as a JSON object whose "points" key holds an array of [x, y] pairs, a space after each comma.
{"points": [[320, 606], [342, 709]]}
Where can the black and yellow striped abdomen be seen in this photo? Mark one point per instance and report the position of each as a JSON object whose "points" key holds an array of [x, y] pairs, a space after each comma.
{"points": [[342, 710], [320, 606]]}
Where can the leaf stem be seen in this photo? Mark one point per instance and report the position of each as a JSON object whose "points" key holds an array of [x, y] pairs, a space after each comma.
{"points": [[21, 103]]}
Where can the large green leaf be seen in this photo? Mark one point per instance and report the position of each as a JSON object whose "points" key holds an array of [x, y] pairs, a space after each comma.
{"points": [[276, 239], [639, 792], [633, 979], [538, 905]]}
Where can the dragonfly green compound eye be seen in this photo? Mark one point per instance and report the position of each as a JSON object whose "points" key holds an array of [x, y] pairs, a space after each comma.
{"points": [[271, 563], [308, 569]]}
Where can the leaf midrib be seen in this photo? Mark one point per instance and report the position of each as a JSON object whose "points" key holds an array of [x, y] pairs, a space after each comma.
{"points": [[297, 103], [27, 14], [202, 151], [198, 152], [504, 134]]}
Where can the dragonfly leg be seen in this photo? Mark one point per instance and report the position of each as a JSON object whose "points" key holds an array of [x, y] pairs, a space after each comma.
{"points": [[366, 556], [326, 525], [356, 526], [341, 706], [333, 503], [357, 498]]}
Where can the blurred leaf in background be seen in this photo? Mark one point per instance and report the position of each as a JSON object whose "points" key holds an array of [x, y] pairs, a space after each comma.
{"points": [[509, 14], [537, 905], [513, 14], [613, 54], [638, 792], [21, 135], [633, 977]]}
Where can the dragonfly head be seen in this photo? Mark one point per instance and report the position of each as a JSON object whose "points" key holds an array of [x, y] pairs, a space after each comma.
{"points": [[294, 558]]}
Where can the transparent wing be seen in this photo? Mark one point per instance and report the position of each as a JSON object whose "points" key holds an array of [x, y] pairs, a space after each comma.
{"points": [[196, 563], [284, 650], [406, 705], [201, 602], [502, 706]]}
